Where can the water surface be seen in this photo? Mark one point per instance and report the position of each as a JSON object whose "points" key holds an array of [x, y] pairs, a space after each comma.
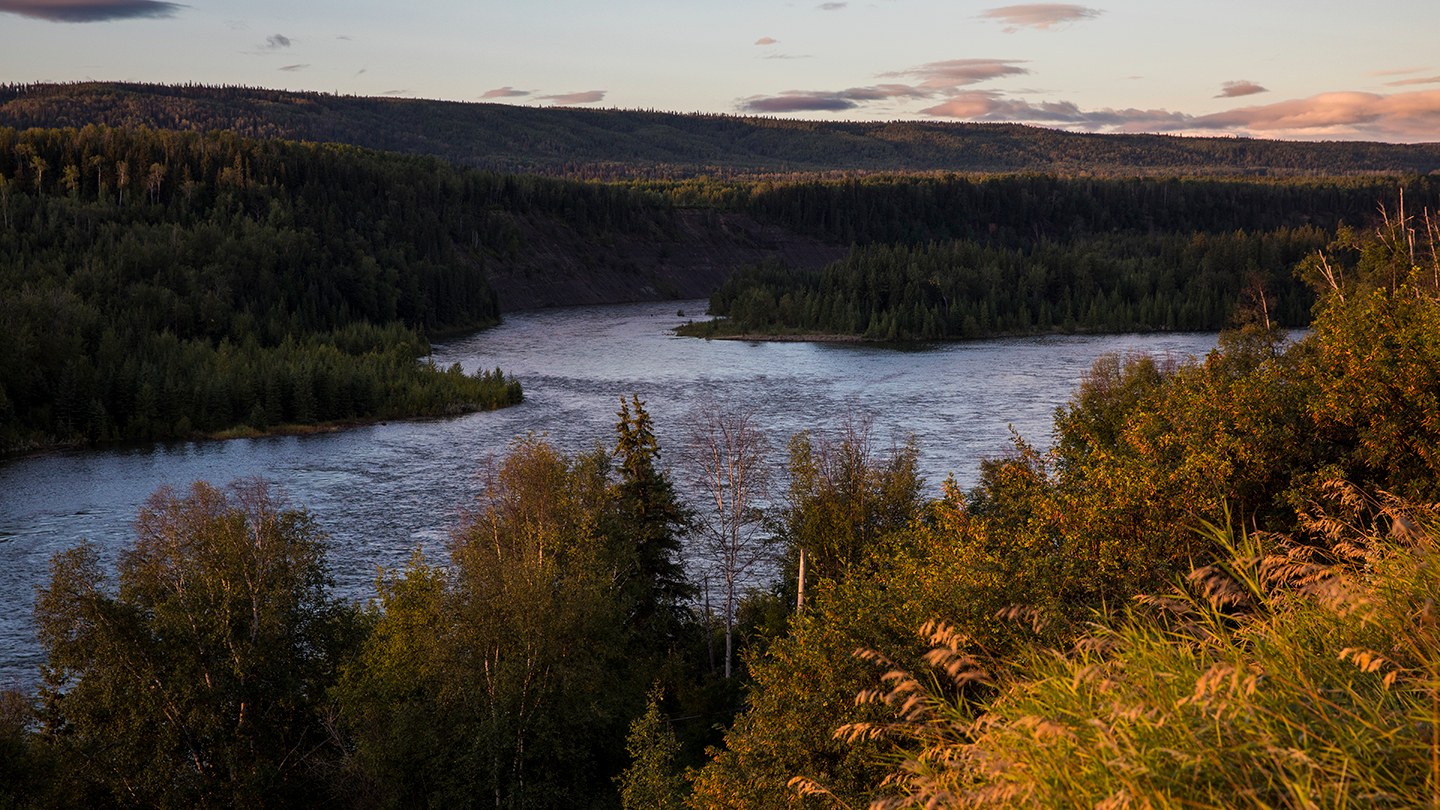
{"points": [[383, 490]]}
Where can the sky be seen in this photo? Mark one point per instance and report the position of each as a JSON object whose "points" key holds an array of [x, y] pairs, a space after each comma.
{"points": [[1316, 70]]}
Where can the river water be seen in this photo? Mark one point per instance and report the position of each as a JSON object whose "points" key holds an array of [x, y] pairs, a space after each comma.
{"points": [[383, 490]]}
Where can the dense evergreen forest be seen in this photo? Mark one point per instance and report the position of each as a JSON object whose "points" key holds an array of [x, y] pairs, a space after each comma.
{"points": [[952, 257], [633, 143], [1217, 589], [966, 289], [160, 283]]}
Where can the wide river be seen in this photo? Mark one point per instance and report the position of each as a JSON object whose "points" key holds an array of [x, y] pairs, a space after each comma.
{"points": [[383, 490]]}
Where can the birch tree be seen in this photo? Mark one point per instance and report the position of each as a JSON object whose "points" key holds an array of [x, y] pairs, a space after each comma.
{"points": [[728, 462]]}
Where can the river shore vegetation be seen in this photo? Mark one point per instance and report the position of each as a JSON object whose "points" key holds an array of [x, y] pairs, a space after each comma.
{"points": [[1216, 589]]}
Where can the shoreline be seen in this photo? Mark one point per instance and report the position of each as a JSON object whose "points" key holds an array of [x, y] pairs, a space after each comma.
{"points": [[237, 432]]}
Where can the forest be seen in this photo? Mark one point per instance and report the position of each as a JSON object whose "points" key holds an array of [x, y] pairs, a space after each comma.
{"points": [[1216, 589], [947, 258], [163, 284], [618, 144]]}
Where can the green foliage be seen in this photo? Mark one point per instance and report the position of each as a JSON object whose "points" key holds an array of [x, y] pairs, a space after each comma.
{"points": [[845, 499], [650, 523], [123, 314], [651, 782], [498, 672], [969, 289], [201, 680]]}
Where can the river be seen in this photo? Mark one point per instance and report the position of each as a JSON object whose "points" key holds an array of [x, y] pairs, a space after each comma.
{"points": [[383, 490]]}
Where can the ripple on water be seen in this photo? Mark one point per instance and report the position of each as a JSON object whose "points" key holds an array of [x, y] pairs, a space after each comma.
{"points": [[381, 491]]}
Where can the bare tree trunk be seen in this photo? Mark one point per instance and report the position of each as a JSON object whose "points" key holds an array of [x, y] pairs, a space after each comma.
{"points": [[727, 458]]}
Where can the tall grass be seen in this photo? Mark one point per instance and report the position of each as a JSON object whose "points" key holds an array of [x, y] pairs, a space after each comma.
{"points": [[1298, 672]]}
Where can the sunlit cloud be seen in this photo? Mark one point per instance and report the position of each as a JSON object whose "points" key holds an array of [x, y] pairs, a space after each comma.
{"points": [[1395, 72], [1409, 82], [1240, 88], [1040, 16], [787, 56], [566, 99], [90, 10], [293, 68], [961, 72], [1401, 116], [766, 41], [1410, 114], [505, 92]]}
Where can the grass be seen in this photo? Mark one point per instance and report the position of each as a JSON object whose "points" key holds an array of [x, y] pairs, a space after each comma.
{"points": [[1298, 672]]}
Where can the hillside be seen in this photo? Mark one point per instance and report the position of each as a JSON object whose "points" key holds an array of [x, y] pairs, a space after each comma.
{"points": [[618, 143]]}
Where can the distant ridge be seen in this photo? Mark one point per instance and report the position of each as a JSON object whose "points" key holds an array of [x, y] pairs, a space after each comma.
{"points": [[629, 143]]}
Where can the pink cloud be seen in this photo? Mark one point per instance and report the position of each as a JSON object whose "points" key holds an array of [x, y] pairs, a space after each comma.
{"points": [[960, 72], [1396, 72], [505, 92], [1408, 82], [566, 99], [1408, 114], [1041, 16], [766, 41], [1240, 88]]}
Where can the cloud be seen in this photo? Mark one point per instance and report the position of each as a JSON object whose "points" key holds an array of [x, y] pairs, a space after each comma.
{"points": [[396, 93], [798, 101], [1395, 72], [361, 70], [347, 39], [1407, 82], [293, 68], [831, 6], [766, 41], [90, 10], [566, 99], [1041, 16], [935, 79], [1240, 88], [786, 56], [960, 72], [276, 42], [1411, 115], [505, 92], [823, 100]]}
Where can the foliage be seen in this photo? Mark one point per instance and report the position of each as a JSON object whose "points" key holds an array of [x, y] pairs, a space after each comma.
{"points": [[970, 289], [497, 671], [651, 782], [201, 680], [650, 524], [1272, 679]]}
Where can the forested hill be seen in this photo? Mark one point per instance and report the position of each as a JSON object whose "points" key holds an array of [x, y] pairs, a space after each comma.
{"points": [[613, 143]]}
